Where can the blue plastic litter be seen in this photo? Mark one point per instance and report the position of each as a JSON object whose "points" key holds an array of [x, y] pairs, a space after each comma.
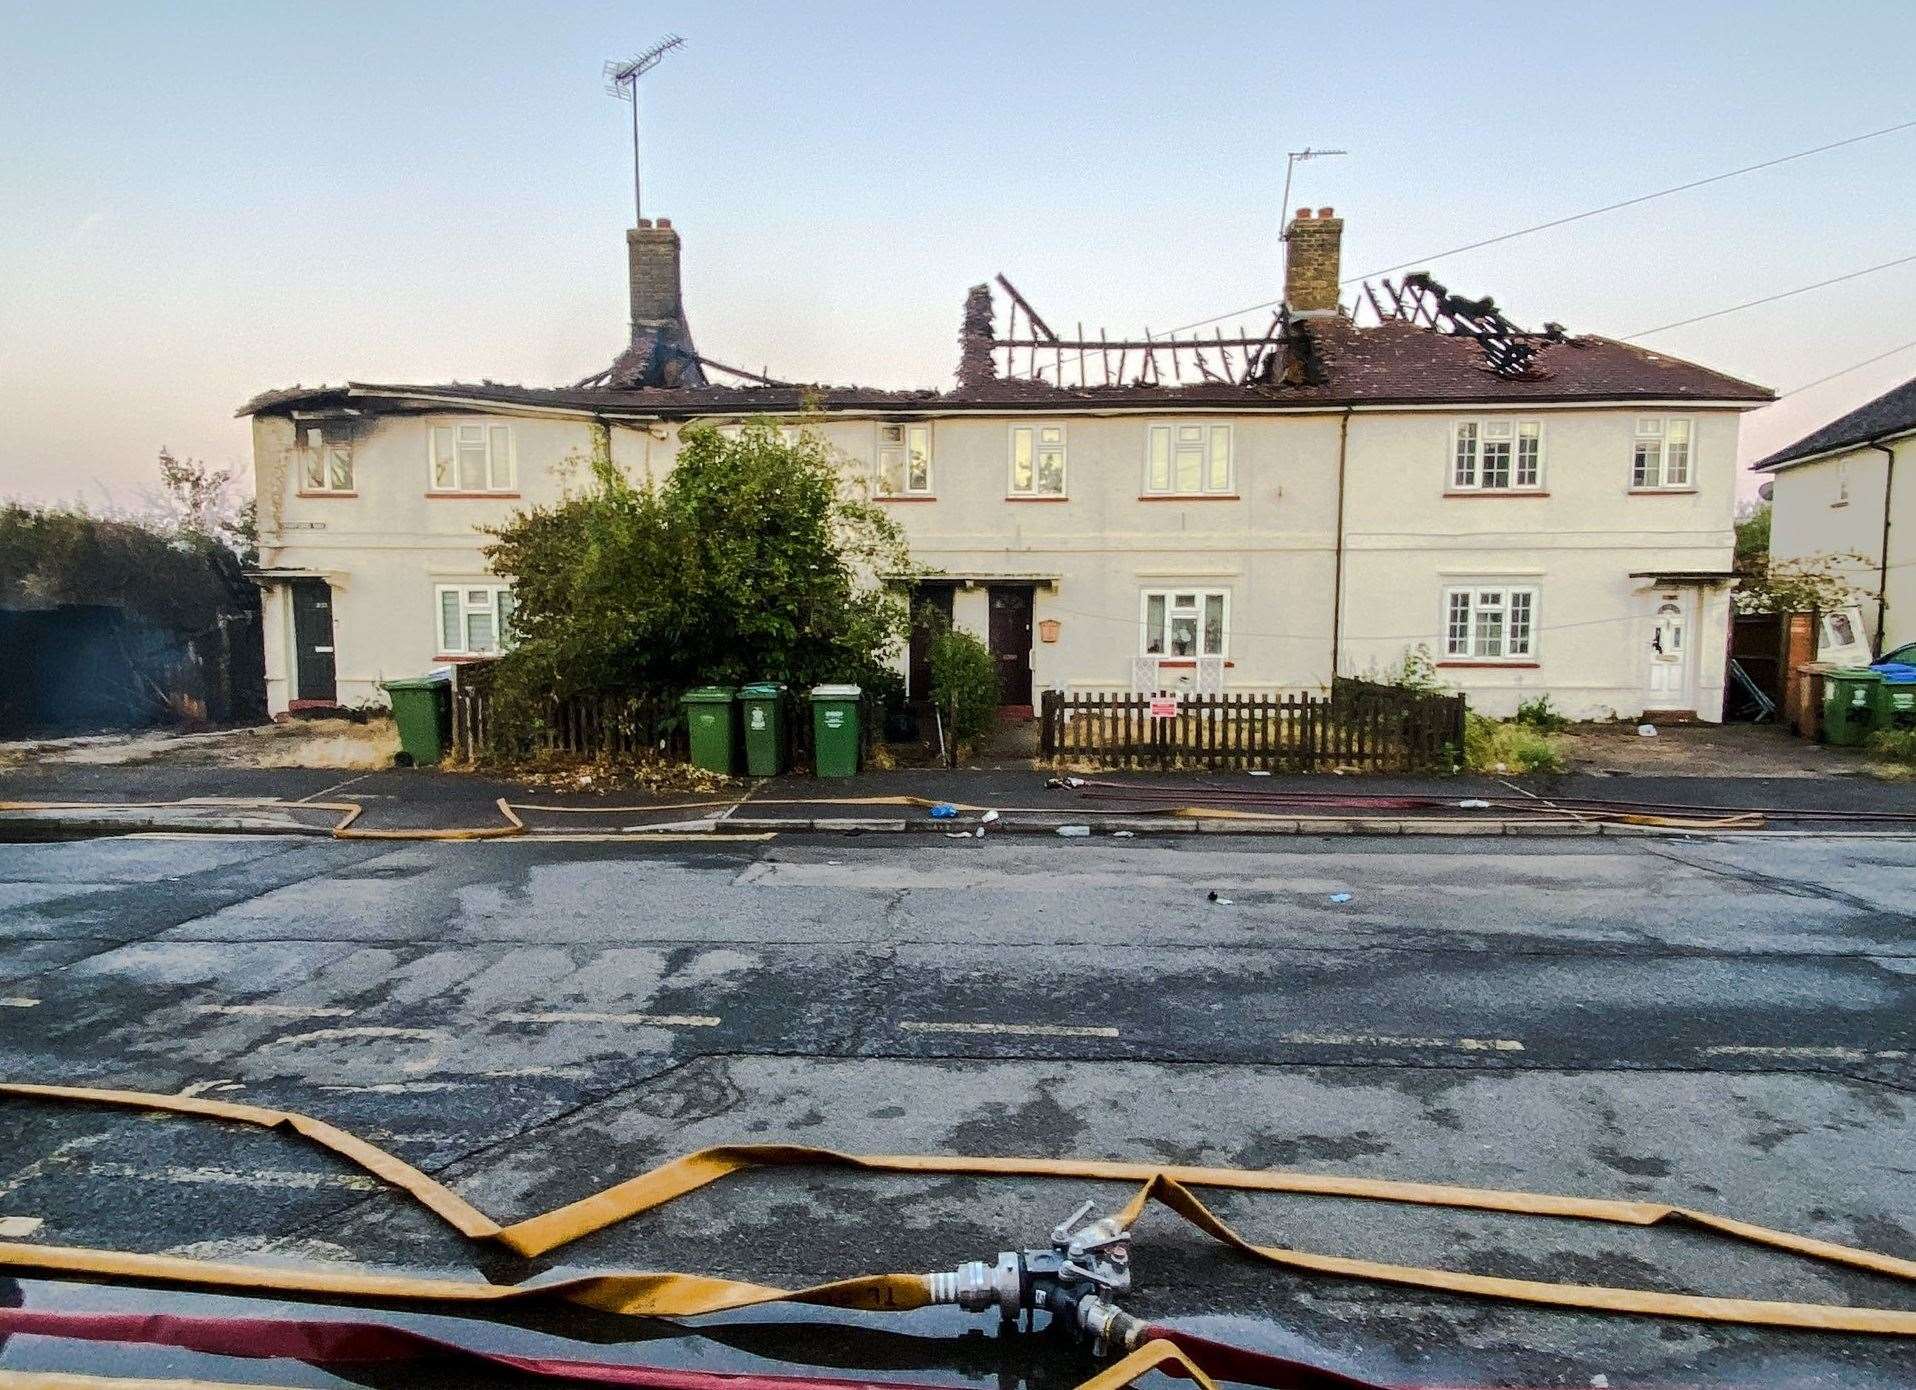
{"points": [[1341, 897], [944, 810]]}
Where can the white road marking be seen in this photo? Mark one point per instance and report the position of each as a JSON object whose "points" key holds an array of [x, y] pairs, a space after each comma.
{"points": [[200, 1088], [402, 1088], [18, 1001], [1388, 1040], [1805, 1054], [19, 1227], [232, 1177], [275, 1010], [363, 1031], [628, 1020], [1019, 1030]]}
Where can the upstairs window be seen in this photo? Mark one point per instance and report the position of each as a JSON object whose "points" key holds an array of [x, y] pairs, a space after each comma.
{"points": [[472, 458], [1037, 461], [904, 460], [1485, 623], [1188, 459], [1185, 622], [1660, 458], [474, 619], [1496, 455], [327, 459]]}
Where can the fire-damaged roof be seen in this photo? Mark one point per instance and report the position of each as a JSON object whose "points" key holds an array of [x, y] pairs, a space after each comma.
{"points": [[1890, 414], [1337, 363]]}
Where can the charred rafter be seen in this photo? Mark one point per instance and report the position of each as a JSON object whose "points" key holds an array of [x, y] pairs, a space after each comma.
{"points": [[1509, 351]]}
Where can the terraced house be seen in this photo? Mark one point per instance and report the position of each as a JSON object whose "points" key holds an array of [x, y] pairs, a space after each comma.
{"points": [[1393, 470]]}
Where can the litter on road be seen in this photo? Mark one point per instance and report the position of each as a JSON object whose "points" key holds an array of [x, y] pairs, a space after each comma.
{"points": [[1071, 832]]}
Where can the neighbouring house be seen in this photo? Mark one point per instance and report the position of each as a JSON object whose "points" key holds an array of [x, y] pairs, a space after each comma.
{"points": [[1833, 493], [1543, 513]]}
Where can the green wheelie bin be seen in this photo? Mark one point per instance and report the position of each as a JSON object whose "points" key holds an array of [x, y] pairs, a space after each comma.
{"points": [[711, 713], [763, 706], [835, 736], [1851, 705], [422, 709]]}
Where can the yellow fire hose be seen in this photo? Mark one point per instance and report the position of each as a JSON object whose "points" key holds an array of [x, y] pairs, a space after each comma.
{"points": [[682, 1295]]}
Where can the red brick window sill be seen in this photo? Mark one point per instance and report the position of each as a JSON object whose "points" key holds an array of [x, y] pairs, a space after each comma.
{"points": [[1190, 497], [1492, 665], [905, 497], [502, 496], [463, 658], [1185, 661], [1497, 492], [1031, 497], [1662, 492], [324, 493]]}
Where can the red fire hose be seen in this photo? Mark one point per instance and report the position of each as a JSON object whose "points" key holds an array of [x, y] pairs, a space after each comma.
{"points": [[326, 1341]]}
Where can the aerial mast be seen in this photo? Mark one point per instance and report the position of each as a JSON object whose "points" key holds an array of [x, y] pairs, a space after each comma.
{"points": [[624, 75]]}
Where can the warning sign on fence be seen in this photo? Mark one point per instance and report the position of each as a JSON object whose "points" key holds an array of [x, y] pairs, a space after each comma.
{"points": [[1164, 707]]}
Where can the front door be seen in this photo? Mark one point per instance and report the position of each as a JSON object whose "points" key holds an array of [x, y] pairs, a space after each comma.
{"points": [[930, 615], [1011, 642], [1668, 687], [314, 673]]}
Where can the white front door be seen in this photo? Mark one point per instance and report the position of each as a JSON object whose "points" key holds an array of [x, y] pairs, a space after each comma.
{"points": [[1669, 683]]}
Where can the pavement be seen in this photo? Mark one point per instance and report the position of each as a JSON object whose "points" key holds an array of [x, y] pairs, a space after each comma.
{"points": [[1716, 1022], [227, 798]]}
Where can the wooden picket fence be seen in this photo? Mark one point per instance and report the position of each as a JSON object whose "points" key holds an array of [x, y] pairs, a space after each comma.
{"points": [[603, 725], [1360, 725], [589, 725]]}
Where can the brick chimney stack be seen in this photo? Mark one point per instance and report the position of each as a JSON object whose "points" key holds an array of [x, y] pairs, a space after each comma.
{"points": [[1313, 262], [661, 351], [652, 254]]}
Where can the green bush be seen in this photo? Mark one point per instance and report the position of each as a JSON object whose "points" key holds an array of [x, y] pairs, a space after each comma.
{"points": [[1539, 715], [1895, 746], [1494, 746], [964, 684]]}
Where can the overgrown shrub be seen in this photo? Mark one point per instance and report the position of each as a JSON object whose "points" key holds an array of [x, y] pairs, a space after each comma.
{"points": [[1415, 673], [1492, 745], [755, 559], [964, 684], [1894, 746], [1541, 715]]}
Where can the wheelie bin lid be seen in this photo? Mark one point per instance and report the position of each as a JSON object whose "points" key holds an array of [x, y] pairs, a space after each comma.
{"points": [[836, 692], [438, 676], [761, 690], [709, 695]]}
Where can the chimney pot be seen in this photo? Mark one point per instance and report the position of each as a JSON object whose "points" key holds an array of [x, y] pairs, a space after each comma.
{"points": [[665, 222], [1303, 214], [1324, 212]]}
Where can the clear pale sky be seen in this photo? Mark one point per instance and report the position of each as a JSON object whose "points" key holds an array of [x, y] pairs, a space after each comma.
{"points": [[201, 201]]}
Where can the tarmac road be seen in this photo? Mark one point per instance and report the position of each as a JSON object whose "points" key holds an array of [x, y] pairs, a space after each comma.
{"points": [[1715, 1023]]}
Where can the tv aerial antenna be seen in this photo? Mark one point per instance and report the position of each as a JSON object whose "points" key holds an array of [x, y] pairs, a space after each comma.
{"points": [[1291, 162], [623, 83]]}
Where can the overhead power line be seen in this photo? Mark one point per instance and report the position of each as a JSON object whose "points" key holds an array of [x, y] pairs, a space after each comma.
{"points": [[1768, 298], [1852, 367], [1575, 217]]}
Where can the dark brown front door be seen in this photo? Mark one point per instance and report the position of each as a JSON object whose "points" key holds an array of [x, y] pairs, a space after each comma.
{"points": [[313, 640], [930, 603], [1011, 642]]}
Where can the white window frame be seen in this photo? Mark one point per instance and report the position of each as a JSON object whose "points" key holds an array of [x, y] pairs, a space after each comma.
{"points": [[497, 605], [1472, 640], [1041, 437], [1166, 445], [1471, 442], [1651, 455], [500, 464], [901, 448], [316, 449], [1200, 600]]}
